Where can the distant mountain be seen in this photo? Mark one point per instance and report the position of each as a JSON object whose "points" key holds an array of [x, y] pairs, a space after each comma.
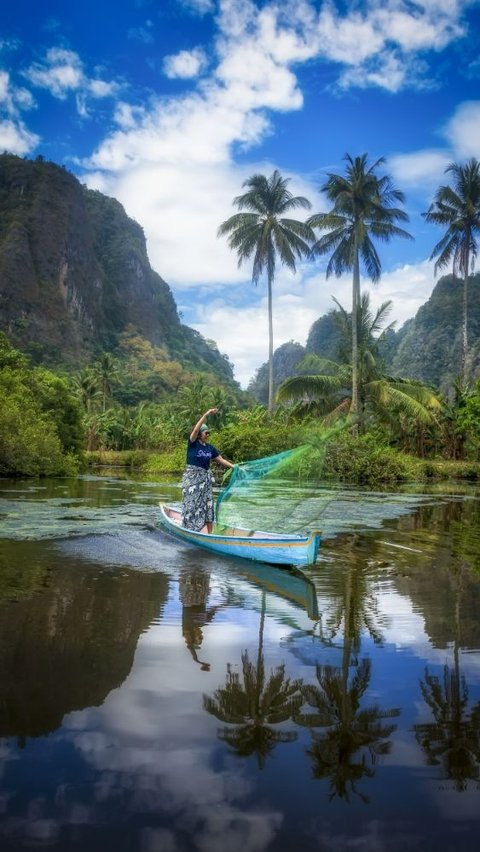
{"points": [[427, 347], [285, 359], [322, 340], [323, 337], [74, 274]]}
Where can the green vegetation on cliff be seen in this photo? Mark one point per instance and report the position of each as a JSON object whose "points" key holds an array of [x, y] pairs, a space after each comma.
{"points": [[75, 275]]}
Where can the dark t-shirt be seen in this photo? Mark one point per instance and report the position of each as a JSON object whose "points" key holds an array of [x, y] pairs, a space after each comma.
{"points": [[200, 454]]}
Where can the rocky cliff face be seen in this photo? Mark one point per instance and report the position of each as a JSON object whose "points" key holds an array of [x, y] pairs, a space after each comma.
{"points": [[74, 271], [428, 347]]}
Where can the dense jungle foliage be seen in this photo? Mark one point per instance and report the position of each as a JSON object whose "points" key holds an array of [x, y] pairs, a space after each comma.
{"points": [[53, 425]]}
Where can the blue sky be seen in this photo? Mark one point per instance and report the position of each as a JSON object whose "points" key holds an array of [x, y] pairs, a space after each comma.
{"points": [[169, 106]]}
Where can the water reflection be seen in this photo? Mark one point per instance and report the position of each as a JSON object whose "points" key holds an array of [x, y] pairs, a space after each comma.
{"points": [[194, 589], [69, 641], [195, 702], [452, 740], [255, 704], [355, 736]]}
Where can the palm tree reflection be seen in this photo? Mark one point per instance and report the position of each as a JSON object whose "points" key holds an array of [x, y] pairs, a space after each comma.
{"points": [[254, 703], [354, 738], [453, 739]]}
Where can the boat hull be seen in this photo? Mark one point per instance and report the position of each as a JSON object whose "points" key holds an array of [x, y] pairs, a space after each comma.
{"points": [[260, 546]]}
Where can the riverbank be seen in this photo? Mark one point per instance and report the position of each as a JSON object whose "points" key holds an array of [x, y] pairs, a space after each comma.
{"points": [[369, 466]]}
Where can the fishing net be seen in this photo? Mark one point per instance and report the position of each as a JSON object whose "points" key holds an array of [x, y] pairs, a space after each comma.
{"points": [[276, 493]]}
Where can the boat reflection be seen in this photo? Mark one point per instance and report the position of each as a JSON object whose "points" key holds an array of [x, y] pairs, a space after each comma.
{"points": [[289, 584]]}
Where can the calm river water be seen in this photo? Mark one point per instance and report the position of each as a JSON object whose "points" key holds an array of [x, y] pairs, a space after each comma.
{"points": [[156, 698]]}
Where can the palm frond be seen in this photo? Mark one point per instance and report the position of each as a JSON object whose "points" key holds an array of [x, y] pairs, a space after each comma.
{"points": [[314, 387], [387, 395]]}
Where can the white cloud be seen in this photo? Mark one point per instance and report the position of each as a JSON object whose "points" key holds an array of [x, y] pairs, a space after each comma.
{"points": [[15, 137], [419, 167], [13, 98], [463, 130], [408, 287], [348, 40], [431, 27], [185, 64], [102, 89], [427, 168], [254, 81], [62, 73], [377, 45], [386, 70], [128, 116]]}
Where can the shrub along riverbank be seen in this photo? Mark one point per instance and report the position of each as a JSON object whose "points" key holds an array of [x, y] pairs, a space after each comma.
{"points": [[345, 458]]}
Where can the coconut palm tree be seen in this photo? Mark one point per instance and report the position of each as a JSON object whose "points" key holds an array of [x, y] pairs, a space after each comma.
{"points": [[86, 387], [457, 208], [191, 399], [263, 230], [106, 368], [363, 210], [452, 740], [328, 386]]}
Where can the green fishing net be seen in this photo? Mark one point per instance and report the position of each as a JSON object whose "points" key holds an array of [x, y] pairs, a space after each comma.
{"points": [[276, 493]]}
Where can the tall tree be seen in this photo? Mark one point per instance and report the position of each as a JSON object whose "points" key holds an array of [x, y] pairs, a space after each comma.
{"points": [[457, 208], [106, 369], [262, 230], [85, 384], [363, 209]]}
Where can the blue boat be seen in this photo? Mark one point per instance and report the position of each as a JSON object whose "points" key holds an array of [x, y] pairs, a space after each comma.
{"points": [[272, 548]]}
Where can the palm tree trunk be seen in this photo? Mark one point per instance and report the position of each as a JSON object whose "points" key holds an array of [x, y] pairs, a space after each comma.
{"points": [[270, 346], [464, 325], [354, 409]]}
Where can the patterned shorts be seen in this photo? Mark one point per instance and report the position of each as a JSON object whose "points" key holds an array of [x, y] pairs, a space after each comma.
{"points": [[197, 498]]}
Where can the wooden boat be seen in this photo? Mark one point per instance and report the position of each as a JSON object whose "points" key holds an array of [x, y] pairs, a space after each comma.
{"points": [[270, 547]]}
